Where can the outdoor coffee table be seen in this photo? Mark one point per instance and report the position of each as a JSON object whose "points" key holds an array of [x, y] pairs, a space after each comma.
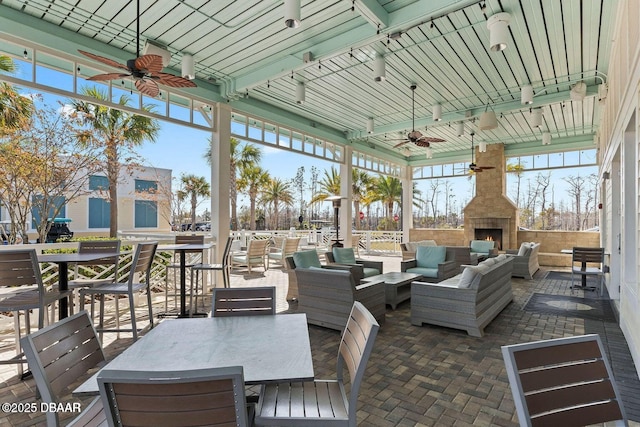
{"points": [[397, 286]]}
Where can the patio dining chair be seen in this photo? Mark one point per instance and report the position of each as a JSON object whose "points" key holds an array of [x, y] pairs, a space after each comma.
{"points": [[202, 267], [58, 355], [563, 382], [106, 271], [211, 397], [324, 402], [287, 247], [141, 265], [580, 260], [22, 290], [244, 301]]}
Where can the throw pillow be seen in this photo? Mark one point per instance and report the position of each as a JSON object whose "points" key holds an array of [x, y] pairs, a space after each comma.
{"points": [[306, 259], [501, 257], [344, 255], [430, 256], [467, 276], [523, 249]]}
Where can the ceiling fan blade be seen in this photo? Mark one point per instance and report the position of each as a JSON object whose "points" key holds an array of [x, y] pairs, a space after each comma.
{"points": [[422, 142], [109, 76], [401, 144], [150, 64], [104, 60], [172, 81], [432, 139], [147, 87], [486, 167]]}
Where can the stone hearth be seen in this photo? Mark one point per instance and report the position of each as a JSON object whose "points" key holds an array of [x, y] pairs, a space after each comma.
{"points": [[491, 208]]}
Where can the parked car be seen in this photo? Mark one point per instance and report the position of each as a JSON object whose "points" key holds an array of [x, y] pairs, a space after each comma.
{"points": [[203, 226], [59, 231]]}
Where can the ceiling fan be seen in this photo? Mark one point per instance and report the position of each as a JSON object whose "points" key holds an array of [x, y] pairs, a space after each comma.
{"points": [[145, 70], [415, 136], [472, 166]]}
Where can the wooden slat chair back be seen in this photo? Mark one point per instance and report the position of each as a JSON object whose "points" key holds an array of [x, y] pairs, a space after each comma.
{"points": [[564, 381], [211, 397], [140, 267], [256, 255], [324, 402], [58, 355], [107, 275], [23, 290], [194, 257], [581, 258], [244, 301]]}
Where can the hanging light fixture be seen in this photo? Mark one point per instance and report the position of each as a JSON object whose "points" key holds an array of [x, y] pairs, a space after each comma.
{"points": [[437, 112], [546, 138], [460, 128], [536, 117], [379, 74], [292, 13], [579, 91], [428, 153], [188, 67], [370, 125], [526, 95], [300, 93], [482, 147], [488, 121], [498, 26]]}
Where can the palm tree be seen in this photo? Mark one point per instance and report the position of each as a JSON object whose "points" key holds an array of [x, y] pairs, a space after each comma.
{"points": [[193, 187], [252, 178], [15, 109], [275, 192], [329, 186], [388, 190], [240, 156], [115, 132], [361, 181]]}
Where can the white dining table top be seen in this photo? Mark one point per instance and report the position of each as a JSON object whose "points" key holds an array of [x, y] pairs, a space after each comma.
{"points": [[185, 246], [273, 348]]}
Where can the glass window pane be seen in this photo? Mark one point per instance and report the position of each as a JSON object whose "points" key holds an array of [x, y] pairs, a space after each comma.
{"points": [[99, 214]]}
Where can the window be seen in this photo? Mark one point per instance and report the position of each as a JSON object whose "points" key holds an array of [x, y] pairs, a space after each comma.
{"points": [[99, 213], [97, 183], [37, 202], [143, 186], [146, 214]]}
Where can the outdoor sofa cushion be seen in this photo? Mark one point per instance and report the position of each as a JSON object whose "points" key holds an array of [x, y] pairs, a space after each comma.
{"points": [[344, 255], [482, 246], [430, 256], [306, 259]]}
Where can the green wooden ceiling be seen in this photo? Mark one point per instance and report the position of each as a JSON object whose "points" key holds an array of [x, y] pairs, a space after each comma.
{"points": [[255, 62]]}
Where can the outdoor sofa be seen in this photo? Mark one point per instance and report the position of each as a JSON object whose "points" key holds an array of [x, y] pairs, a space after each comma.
{"points": [[467, 301]]}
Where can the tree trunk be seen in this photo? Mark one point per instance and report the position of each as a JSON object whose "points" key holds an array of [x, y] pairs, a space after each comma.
{"points": [[113, 170]]}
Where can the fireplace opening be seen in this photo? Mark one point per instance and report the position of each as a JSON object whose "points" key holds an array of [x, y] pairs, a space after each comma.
{"points": [[494, 234]]}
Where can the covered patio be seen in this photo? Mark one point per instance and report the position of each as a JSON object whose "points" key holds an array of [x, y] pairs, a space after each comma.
{"points": [[336, 82]]}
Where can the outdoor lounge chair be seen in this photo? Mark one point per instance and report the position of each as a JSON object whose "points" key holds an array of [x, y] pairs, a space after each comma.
{"points": [[324, 402], [287, 247], [346, 256], [256, 254]]}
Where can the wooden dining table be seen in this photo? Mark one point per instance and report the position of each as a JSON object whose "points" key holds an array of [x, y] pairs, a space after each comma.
{"points": [[63, 260], [270, 348], [182, 249]]}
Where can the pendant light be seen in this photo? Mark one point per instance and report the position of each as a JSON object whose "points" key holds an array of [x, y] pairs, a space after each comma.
{"points": [[536, 117], [498, 26], [546, 138], [379, 74], [488, 121], [300, 93], [526, 95], [437, 112], [460, 128], [292, 13], [188, 67], [370, 125]]}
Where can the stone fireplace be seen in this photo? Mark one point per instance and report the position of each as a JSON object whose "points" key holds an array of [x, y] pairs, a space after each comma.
{"points": [[491, 213]]}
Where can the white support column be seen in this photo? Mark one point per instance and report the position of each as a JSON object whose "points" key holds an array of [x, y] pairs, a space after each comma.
{"points": [[407, 201], [346, 184], [220, 169]]}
